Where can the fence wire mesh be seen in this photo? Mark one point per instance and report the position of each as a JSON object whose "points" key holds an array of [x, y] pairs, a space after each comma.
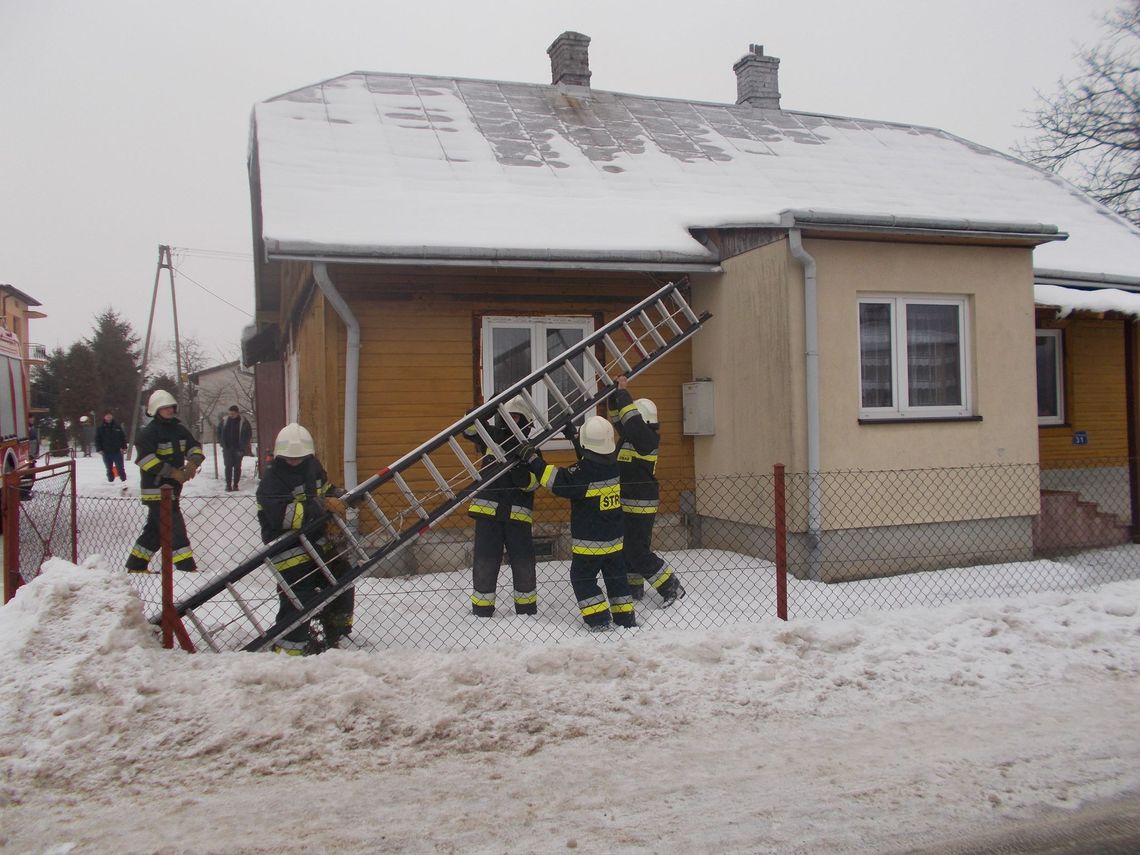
{"points": [[856, 541], [43, 512]]}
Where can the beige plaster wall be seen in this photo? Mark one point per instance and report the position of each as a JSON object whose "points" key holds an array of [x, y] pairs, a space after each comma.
{"points": [[754, 352]]}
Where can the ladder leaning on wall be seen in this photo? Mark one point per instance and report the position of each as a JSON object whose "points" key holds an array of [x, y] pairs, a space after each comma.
{"points": [[648, 330]]}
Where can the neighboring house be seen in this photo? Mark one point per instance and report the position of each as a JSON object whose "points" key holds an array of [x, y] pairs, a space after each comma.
{"points": [[218, 388], [872, 283]]}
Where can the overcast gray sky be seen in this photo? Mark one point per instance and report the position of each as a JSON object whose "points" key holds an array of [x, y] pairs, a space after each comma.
{"points": [[124, 124]]}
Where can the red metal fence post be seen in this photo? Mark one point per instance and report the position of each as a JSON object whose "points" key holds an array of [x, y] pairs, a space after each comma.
{"points": [[11, 501], [781, 543], [74, 513], [166, 536]]}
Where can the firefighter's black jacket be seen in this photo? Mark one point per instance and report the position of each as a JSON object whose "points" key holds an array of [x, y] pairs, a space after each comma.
{"points": [[637, 453], [592, 485], [163, 446], [511, 498], [291, 497]]}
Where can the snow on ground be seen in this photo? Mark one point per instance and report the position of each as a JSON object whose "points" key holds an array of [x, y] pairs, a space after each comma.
{"points": [[871, 733]]}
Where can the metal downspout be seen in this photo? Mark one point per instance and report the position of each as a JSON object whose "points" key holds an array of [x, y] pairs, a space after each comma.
{"points": [[351, 369], [811, 364]]}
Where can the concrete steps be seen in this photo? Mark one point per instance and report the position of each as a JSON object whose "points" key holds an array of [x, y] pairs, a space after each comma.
{"points": [[1067, 521]]}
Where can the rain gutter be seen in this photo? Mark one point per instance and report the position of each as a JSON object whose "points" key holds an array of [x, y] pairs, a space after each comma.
{"points": [[351, 369], [834, 221], [1086, 280]]}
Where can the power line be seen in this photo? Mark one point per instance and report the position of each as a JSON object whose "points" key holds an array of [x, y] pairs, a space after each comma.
{"points": [[211, 293]]}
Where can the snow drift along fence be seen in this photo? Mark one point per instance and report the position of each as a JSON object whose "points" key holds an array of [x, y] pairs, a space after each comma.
{"points": [[39, 507]]}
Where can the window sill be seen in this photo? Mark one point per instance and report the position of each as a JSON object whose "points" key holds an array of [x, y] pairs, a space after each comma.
{"points": [[919, 420]]}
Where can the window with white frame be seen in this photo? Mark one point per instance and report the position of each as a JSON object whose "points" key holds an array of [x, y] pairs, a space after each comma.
{"points": [[513, 347], [1050, 378], [913, 357]]}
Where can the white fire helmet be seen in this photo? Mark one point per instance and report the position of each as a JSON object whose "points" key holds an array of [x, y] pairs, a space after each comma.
{"points": [[160, 398], [293, 441], [83, 420], [517, 406], [597, 435], [648, 410]]}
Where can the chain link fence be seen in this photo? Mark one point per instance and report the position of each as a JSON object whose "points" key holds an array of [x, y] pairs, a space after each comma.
{"points": [[855, 541], [39, 504]]}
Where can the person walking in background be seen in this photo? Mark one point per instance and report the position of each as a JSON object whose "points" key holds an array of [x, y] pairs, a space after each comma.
{"points": [[234, 436], [111, 442], [166, 453], [636, 423], [504, 514], [593, 487], [294, 494]]}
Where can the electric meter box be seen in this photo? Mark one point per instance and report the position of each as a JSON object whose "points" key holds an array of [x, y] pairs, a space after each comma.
{"points": [[697, 417]]}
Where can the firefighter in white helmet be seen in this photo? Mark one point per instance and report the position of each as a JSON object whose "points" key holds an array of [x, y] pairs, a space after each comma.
{"points": [[295, 494], [166, 453], [504, 514], [593, 488], [637, 425]]}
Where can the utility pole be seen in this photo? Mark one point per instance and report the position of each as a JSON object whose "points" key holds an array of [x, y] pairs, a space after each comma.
{"points": [[164, 263]]}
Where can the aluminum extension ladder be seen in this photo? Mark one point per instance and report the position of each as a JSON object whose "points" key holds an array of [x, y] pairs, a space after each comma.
{"points": [[650, 330]]}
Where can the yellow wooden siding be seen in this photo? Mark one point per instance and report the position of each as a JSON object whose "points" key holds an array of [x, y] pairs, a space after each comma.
{"points": [[1095, 396], [418, 371]]}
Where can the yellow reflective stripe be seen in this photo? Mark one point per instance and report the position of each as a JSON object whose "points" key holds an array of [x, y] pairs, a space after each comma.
{"points": [[618, 608], [526, 599], [521, 514], [636, 510], [290, 562], [478, 599], [531, 485], [489, 508], [607, 549], [662, 577], [298, 514], [182, 554], [149, 462], [628, 455], [144, 554], [548, 476], [593, 610], [324, 488]]}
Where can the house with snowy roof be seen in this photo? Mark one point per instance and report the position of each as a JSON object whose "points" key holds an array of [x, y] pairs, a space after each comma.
{"points": [[421, 242]]}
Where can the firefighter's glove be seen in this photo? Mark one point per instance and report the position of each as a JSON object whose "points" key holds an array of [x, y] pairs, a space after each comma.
{"points": [[526, 454], [336, 506], [190, 469], [332, 530], [178, 475]]}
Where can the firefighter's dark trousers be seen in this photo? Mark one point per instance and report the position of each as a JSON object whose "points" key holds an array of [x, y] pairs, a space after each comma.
{"points": [[149, 542], [645, 565], [490, 538], [584, 570], [307, 581]]}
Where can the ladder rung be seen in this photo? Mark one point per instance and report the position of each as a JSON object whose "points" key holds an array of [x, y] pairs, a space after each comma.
{"points": [[415, 503], [490, 443], [689, 314], [250, 616], [652, 328], [202, 631], [552, 387], [616, 354], [576, 378], [438, 477], [380, 516], [509, 421], [599, 369], [350, 537], [635, 341], [667, 316], [283, 584], [538, 417], [458, 451]]}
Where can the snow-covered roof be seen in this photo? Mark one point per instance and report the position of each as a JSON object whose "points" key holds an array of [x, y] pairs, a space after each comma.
{"points": [[1069, 300], [430, 167]]}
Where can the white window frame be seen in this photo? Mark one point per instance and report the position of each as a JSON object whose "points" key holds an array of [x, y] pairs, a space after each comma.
{"points": [[538, 325], [900, 407], [1059, 375]]}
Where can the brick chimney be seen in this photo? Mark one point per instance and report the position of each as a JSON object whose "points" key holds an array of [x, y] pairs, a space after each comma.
{"points": [[758, 79], [570, 59]]}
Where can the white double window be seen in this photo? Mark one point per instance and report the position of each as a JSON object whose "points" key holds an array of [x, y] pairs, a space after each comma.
{"points": [[914, 357], [514, 347]]}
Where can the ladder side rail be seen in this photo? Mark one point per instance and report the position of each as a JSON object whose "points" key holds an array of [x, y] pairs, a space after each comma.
{"points": [[672, 345], [490, 407]]}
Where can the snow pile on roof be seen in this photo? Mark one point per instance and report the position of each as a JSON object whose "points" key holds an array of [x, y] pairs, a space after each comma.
{"points": [[790, 737], [1069, 300], [399, 165]]}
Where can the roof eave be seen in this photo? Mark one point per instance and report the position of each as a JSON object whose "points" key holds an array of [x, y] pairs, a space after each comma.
{"points": [[991, 230]]}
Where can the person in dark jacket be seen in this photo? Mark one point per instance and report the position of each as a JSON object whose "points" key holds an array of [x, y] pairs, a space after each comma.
{"points": [[593, 487], [166, 453], [504, 514], [637, 426], [234, 435], [111, 442], [293, 494]]}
